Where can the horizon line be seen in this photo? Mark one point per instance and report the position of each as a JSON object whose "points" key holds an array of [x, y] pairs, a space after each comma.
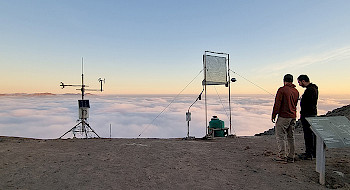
{"points": [[150, 94]]}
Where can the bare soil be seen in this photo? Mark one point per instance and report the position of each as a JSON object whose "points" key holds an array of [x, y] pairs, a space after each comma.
{"points": [[221, 163]]}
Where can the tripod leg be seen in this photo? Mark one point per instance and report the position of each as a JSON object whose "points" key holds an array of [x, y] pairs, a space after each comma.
{"points": [[84, 128], [70, 130], [92, 130]]}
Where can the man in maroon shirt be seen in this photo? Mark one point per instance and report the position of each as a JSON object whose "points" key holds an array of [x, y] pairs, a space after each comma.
{"points": [[285, 107]]}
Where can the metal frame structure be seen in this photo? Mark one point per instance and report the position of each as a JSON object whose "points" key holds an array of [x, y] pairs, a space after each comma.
{"points": [[83, 126], [228, 83]]}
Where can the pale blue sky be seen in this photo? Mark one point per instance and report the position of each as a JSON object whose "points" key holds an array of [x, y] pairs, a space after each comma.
{"points": [[157, 46]]}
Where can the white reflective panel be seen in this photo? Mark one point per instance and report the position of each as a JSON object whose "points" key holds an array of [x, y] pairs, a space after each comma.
{"points": [[216, 70]]}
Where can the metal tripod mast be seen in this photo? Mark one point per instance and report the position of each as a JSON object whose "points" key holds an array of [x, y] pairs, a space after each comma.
{"points": [[83, 126]]}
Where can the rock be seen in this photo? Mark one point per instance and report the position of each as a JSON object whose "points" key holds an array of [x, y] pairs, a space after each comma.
{"points": [[339, 173], [342, 111]]}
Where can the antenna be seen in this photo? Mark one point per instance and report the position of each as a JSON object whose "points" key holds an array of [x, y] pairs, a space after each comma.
{"points": [[83, 128]]}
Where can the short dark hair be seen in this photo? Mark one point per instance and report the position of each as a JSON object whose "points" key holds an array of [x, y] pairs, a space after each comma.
{"points": [[288, 78], [303, 78]]}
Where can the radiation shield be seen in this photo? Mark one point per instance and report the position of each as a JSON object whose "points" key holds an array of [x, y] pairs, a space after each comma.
{"points": [[83, 113], [84, 106]]}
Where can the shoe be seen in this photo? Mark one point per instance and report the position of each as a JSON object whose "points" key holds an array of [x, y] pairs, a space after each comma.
{"points": [[305, 156], [280, 159], [290, 160]]}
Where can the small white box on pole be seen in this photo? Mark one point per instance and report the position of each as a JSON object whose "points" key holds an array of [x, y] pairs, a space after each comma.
{"points": [[188, 116]]}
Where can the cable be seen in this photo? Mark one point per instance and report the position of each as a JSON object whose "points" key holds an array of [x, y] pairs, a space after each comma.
{"points": [[198, 98], [222, 103], [227, 115], [169, 103], [253, 83]]}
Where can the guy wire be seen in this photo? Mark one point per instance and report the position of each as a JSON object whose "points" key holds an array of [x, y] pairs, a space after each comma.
{"points": [[252, 83], [169, 103], [227, 115]]}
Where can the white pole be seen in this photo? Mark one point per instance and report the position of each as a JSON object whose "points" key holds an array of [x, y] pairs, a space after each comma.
{"points": [[321, 159], [229, 90], [205, 93]]}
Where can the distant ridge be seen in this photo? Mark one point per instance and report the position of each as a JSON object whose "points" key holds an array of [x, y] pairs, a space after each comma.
{"points": [[342, 111], [27, 94], [41, 94]]}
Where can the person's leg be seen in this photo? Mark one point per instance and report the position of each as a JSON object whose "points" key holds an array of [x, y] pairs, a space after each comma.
{"points": [[308, 138], [280, 136], [290, 139]]}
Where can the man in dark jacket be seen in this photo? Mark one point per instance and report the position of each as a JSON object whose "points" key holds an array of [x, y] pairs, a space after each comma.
{"points": [[308, 105], [285, 107]]}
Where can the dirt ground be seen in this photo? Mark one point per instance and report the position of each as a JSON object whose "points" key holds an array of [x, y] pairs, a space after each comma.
{"points": [[221, 163]]}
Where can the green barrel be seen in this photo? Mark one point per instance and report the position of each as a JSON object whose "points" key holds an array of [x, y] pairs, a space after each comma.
{"points": [[216, 123]]}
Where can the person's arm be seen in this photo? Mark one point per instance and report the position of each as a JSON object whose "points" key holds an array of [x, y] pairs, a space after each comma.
{"points": [[277, 105]]}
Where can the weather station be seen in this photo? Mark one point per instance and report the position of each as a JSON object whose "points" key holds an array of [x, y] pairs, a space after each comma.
{"points": [[83, 129]]}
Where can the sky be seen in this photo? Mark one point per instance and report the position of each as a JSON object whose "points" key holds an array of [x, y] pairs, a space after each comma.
{"points": [[128, 116], [156, 47]]}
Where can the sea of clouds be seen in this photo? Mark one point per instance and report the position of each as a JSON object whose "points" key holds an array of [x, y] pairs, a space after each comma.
{"points": [[131, 116]]}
